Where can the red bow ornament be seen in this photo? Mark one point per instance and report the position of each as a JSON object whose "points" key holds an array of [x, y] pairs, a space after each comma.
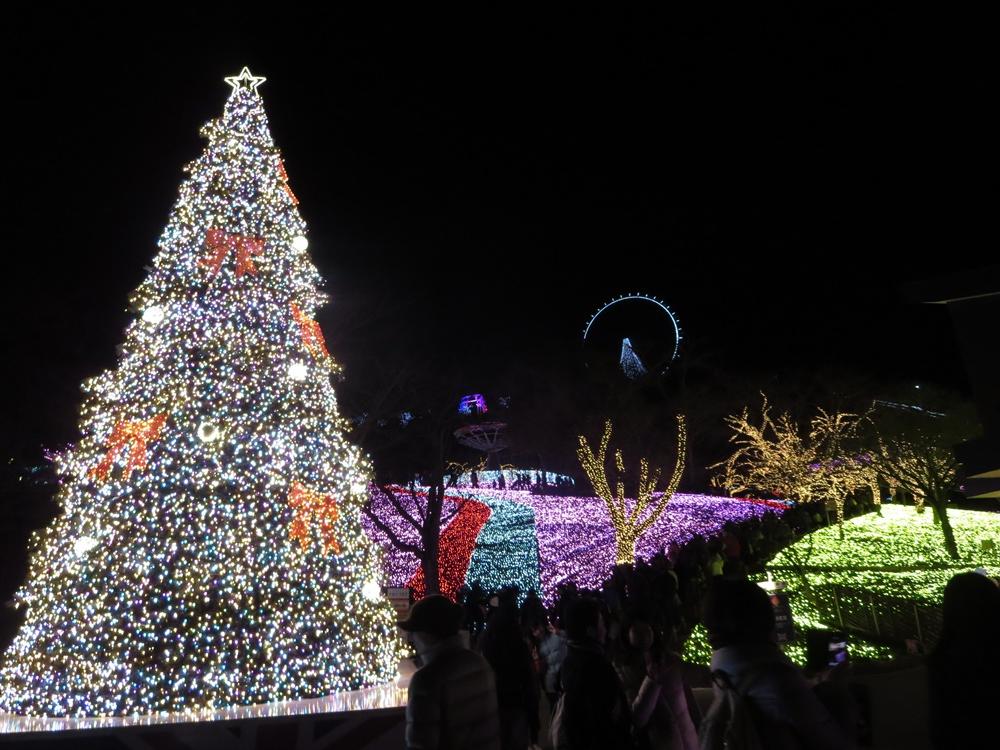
{"points": [[219, 243], [312, 334], [284, 183], [136, 436], [313, 509]]}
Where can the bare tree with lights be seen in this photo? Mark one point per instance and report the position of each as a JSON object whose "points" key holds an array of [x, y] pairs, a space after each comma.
{"points": [[919, 464], [771, 457], [426, 513], [631, 519], [774, 456], [840, 468], [911, 445], [409, 412]]}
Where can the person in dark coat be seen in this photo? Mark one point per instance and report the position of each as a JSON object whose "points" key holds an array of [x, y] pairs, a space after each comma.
{"points": [[504, 647], [963, 670], [552, 648], [595, 713], [452, 700]]}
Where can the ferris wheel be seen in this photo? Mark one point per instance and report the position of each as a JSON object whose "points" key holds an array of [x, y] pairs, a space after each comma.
{"points": [[639, 330]]}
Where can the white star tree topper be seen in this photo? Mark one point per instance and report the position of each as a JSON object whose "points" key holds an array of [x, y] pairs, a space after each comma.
{"points": [[245, 80]]}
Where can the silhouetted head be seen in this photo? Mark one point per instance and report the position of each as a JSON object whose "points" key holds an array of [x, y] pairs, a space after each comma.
{"points": [[737, 612], [434, 615], [584, 620], [640, 636], [971, 608]]}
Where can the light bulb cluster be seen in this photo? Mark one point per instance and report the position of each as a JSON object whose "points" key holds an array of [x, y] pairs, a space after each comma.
{"points": [[774, 457], [200, 596], [697, 649], [456, 545], [510, 530], [463, 520]]}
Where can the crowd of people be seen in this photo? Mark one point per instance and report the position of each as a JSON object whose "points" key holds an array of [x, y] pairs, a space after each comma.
{"points": [[602, 669], [536, 483]]}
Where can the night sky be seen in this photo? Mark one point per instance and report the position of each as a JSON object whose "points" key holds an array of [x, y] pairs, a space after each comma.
{"points": [[486, 183]]}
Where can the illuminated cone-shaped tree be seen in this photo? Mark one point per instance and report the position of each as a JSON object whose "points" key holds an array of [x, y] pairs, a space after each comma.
{"points": [[209, 549]]}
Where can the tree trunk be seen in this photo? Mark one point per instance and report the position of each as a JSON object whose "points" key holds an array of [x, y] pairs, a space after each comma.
{"points": [[432, 538], [876, 498], [432, 529], [949, 535], [625, 544], [432, 579]]}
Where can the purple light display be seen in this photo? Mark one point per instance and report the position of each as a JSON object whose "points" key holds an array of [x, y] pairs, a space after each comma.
{"points": [[576, 541], [575, 538], [397, 566], [472, 404]]}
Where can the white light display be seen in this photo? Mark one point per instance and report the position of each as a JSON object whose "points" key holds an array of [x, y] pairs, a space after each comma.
{"points": [[83, 545], [298, 371], [300, 243], [245, 81], [371, 591], [237, 570], [153, 314], [208, 432]]}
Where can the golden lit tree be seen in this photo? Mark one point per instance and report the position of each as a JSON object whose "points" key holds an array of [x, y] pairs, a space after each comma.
{"points": [[631, 519], [840, 470], [771, 457], [912, 448], [922, 466]]}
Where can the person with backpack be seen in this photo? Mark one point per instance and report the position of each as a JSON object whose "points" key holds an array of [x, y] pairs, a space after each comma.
{"points": [[761, 698]]}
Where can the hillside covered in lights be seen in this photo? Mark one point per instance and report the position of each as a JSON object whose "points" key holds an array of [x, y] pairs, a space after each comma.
{"points": [[897, 554], [539, 542]]}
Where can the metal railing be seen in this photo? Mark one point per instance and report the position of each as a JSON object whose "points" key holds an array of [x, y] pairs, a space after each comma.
{"points": [[883, 617]]}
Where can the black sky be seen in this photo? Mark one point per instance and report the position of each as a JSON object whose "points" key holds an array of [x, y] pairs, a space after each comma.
{"points": [[492, 180]]}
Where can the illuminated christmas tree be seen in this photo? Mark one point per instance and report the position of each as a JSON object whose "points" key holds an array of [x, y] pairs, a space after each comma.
{"points": [[631, 364], [209, 549]]}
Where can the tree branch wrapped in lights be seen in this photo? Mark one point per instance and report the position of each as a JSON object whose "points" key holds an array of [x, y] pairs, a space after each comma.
{"points": [[773, 457], [631, 519]]}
